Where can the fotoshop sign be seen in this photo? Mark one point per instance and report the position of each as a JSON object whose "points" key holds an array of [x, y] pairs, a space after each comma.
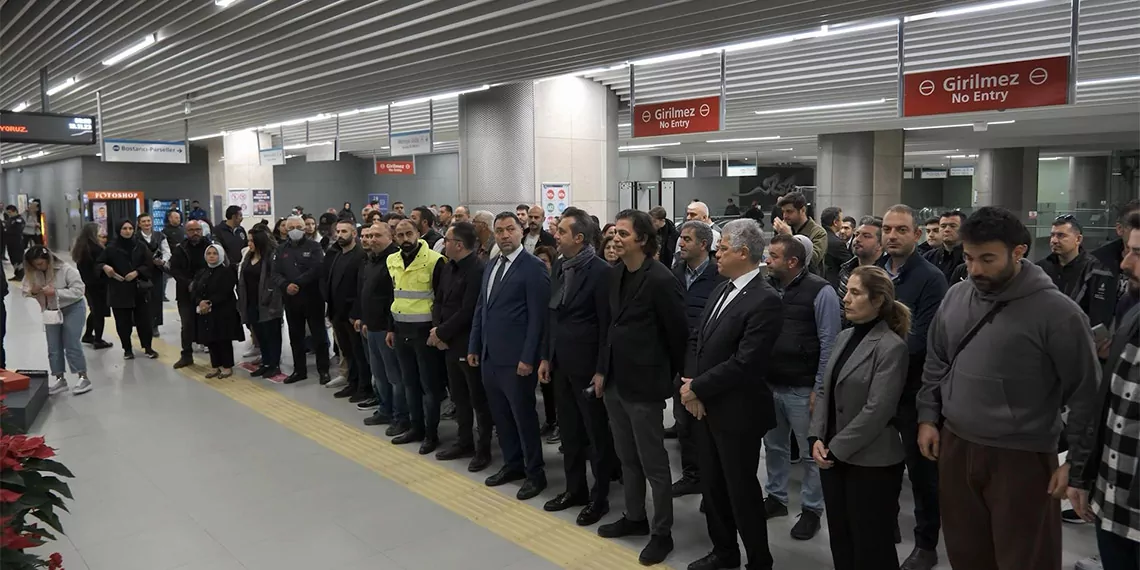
{"points": [[123, 150], [1012, 85], [677, 117]]}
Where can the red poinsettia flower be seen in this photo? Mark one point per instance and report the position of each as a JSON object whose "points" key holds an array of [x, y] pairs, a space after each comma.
{"points": [[10, 539], [7, 496], [55, 561]]}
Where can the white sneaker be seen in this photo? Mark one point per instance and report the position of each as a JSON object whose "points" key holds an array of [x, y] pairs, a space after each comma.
{"points": [[83, 387], [338, 382], [253, 351], [58, 385]]}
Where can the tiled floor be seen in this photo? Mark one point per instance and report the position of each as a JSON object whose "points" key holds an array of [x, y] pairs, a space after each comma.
{"points": [[172, 474]]}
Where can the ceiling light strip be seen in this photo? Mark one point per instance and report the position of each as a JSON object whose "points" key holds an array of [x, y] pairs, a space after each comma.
{"points": [[971, 9], [20, 107], [646, 146], [962, 125], [1108, 80], [146, 41], [824, 107], [749, 139], [70, 81]]}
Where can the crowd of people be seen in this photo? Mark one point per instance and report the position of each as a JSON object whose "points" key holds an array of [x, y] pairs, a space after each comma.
{"points": [[856, 343]]}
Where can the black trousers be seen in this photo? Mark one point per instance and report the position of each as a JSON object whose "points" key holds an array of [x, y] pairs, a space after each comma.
{"points": [[301, 310], [188, 315], [549, 404], [15, 249], [472, 412], [923, 475], [94, 328], [138, 318], [155, 299], [585, 428], [690, 457], [860, 524], [732, 493], [221, 354], [352, 348]]}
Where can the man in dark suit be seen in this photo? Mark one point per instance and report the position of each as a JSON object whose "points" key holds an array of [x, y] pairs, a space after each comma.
{"points": [[505, 337], [579, 319], [723, 388], [837, 252], [452, 314], [341, 276], [644, 350]]}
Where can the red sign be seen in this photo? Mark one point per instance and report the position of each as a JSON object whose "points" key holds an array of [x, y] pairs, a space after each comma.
{"points": [[1013, 85], [395, 167], [677, 117]]}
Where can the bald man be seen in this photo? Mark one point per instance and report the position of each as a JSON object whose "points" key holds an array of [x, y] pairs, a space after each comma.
{"points": [[535, 235]]}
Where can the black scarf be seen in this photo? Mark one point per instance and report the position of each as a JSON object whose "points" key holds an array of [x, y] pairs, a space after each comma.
{"points": [[569, 269]]}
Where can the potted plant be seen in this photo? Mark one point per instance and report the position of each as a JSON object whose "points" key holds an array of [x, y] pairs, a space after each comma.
{"points": [[30, 491]]}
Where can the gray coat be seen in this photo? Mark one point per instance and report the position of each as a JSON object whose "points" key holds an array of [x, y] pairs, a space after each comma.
{"points": [[270, 304], [866, 395]]}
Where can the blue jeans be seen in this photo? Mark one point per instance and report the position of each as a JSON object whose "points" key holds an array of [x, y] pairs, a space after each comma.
{"points": [[64, 340], [268, 336], [386, 378], [1116, 552], [792, 413]]}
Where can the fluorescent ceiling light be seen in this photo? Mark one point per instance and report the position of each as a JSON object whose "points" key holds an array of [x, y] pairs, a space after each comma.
{"points": [[385, 147], [824, 30], [70, 81], [1106, 81], [955, 126], [1052, 158], [675, 57], [805, 157], [225, 3], [750, 139], [306, 145], [316, 118], [972, 9], [646, 146], [146, 41], [23, 105], [453, 95], [211, 136], [823, 107], [962, 156], [779, 150], [620, 125]]}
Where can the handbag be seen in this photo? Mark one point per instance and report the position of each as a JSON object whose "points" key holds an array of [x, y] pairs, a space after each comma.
{"points": [[52, 316]]}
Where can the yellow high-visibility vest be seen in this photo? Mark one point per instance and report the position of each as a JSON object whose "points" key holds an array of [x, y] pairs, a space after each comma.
{"points": [[413, 293]]}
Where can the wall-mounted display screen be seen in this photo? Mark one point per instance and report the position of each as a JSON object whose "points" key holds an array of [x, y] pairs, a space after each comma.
{"points": [[46, 128]]}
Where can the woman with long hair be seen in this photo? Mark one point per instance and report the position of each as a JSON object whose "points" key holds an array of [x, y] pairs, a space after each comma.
{"points": [[59, 289], [218, 321], [280, 235], [260, 303], [85, 254], [129, 268], [859, 452]]}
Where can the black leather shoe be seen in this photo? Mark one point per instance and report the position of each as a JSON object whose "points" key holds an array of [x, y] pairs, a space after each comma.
{"points": [[325, 378], [183, 363], [345, 392], [715, 561], [481, 461], [774, 508], [920, 559], [397, 428], [624, 527], [271, 372], [592, 513], [408, 437], [456, 451], [686, 486], [531, 488], [658, 549], [807, 527], [259, 372], [296, 377], [504, 476], [429, 444], [377, 419], [564, 501], [100, 344]]}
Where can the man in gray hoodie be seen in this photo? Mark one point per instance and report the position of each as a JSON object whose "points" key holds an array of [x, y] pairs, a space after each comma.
{"points": [[1005, 352]]}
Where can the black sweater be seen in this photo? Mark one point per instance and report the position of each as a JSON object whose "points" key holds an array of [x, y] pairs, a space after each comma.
{"points": [[374, 302]]}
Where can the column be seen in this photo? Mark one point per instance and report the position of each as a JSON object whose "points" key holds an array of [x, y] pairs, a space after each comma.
{"points": [[861, 173], [515, 137], [1007, 177], [1088, 181], [236, 163]]}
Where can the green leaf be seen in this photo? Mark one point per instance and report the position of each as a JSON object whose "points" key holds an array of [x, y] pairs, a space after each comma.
{"points": [[48, 465], [11, 478], [54, 484], [50, 519]]}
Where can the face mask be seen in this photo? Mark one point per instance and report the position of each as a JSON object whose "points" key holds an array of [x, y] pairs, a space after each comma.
{"points": [[407, 247], [296, 235]]}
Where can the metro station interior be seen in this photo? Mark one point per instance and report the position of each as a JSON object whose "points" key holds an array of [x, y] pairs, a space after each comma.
{"points": [[109, 110]]}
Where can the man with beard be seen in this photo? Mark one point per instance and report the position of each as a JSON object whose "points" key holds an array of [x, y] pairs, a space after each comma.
{"points": [[579, 318], [535, 235], [1007, 351], [340, 277], [795, 220], [867, 245], [186, 261], [1111, 254], [948, 256], [297, 269], [920, 286], [416, 272], [424, 219], [1077, 273]]}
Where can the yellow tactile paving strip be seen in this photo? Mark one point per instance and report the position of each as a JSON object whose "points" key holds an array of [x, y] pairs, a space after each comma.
{"points": [[557, 540]]}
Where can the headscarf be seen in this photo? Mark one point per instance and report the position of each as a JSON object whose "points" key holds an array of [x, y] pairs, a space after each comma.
{"points": [[221, 255], [120, 241]]}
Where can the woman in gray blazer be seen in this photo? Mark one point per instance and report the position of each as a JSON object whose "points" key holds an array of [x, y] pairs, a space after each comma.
{"points": [[859, 452]]}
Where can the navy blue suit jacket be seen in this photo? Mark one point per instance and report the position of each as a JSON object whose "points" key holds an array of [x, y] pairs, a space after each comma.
{"points": [[508, 327]]}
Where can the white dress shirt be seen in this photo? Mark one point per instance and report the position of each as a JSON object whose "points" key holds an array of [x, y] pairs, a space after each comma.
{"points": [[530, 241], [163, 245], [738, 285], [495, 269]]}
